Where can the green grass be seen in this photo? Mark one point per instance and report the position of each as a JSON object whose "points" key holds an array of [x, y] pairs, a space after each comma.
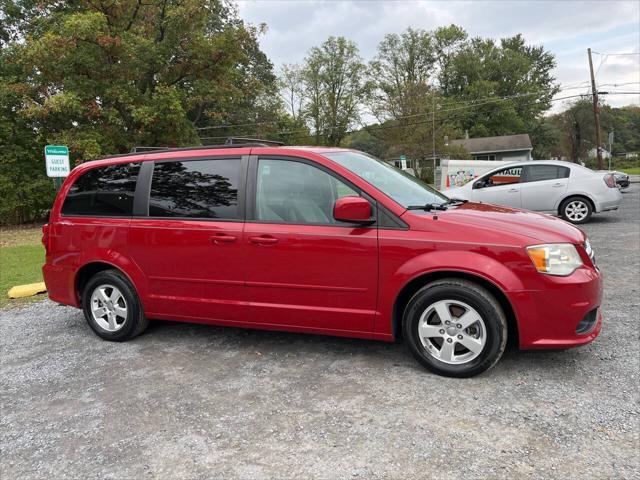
{"points": [[19, 265], [631, 170]]}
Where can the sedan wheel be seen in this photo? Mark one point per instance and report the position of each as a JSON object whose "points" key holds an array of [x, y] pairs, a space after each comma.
{"points": [[576, 210]]}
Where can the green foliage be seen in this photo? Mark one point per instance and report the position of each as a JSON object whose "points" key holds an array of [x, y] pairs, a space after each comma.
{"points": [[21, 265], [575, 128], [334, 82], [101, 77], [364, 141], [457, 152], [480, 86]]}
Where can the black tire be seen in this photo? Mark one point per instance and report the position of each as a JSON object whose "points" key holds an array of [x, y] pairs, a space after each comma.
{"points": [[473, 295], [135, 322], [573, 201]]}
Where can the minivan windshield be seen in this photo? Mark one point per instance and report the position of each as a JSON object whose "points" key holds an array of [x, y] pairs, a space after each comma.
{"points": [[405, 189]]}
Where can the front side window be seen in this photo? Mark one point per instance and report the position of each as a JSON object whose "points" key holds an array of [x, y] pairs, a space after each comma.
{"points": [[295, 192], [195, 189], [506, 176], [105, 191], [402, 187], [538, 173]]}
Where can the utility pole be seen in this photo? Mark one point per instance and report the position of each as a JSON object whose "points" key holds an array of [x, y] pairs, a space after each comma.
{"points": [[433, 133], [596, 112]]}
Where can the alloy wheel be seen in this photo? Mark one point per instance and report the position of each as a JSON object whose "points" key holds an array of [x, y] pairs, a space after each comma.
{"points": [[576, 211], [108, 308], [452, 331]]}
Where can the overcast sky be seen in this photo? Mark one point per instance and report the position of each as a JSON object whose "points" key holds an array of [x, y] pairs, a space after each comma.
{"points": [[565, 28]]}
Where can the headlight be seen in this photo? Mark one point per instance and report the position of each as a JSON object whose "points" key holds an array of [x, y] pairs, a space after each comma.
{"points": [[555, 259]]}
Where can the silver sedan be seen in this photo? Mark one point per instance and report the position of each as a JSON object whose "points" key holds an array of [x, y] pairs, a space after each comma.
{"points": [[559, 188]]}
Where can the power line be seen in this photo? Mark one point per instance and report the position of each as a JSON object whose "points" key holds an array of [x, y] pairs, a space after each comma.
{"points": [[488, 100], [616, 54], [618, 84], [384, 127]]}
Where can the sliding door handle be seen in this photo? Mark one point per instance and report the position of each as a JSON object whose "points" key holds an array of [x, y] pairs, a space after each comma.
{"points": [[263, 240], [222, 238]]}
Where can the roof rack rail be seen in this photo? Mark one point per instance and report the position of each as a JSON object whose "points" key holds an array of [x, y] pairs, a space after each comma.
{"points": [[244, 140], [231, 142], [138, 149]]}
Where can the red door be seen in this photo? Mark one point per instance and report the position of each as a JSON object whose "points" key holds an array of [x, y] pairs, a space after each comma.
{"points": [[307, 271], [190, 246], [194, 269]]}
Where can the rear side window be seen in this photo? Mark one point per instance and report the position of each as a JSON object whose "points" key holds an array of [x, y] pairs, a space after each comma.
{"points": [[105, 191], [195, 189], [538, 173]]}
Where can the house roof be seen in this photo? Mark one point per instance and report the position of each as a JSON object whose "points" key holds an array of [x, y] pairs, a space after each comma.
{"points": [[504, 143]]}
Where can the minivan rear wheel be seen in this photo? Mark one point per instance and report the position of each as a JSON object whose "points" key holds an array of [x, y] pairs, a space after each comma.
{"points": [[112, 308], [455, 328]]}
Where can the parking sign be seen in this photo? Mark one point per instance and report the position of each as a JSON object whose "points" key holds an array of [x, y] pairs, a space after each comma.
{"points": [[57, 159]]}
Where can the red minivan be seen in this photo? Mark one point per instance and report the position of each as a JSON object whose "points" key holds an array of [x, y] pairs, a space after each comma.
{"points": [[315, 240]]}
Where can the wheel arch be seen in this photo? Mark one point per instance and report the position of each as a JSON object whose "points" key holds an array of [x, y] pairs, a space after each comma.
{"points": [[420, 281], [573, 195], [88, 270]]}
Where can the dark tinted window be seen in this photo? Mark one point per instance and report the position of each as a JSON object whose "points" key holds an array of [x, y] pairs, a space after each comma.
{"points": [[195, 189], [537, 173], [106, 191]]}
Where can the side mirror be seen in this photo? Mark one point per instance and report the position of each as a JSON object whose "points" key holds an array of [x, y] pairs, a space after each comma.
{"points": [[353, 210], [479, 184]]}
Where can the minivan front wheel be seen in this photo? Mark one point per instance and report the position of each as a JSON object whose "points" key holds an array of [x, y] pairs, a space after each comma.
{"points": [[455, 328], [112, 308]]}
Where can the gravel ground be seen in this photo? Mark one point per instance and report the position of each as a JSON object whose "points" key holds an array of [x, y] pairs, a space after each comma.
{"points": [[191, 401]]}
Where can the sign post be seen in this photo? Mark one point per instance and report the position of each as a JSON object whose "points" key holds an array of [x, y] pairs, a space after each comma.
{"points": [[57, 160], [610, 148], [403, 162]]}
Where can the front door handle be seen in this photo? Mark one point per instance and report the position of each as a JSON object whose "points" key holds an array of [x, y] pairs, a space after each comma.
{"points": [[263, 240], [222, 238], [513, 190]]}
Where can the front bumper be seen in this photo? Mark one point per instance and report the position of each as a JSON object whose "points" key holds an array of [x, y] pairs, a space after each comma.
{"points": [[551, 317]]}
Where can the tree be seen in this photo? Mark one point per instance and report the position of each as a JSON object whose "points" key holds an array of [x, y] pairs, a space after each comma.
{"points": [[335, 87], [292, 89], [576, 128], [400, 74], [481, 86], [102, 77]]}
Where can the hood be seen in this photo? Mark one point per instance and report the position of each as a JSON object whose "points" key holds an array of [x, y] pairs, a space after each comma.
{"points": [[536, 226]]}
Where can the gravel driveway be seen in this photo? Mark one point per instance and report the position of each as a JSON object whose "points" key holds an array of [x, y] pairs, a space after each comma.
{"points": [[191, 401]]}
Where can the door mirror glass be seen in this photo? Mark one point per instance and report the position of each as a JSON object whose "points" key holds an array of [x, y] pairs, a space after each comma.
{"points": [[353, 210], [479, 184]]}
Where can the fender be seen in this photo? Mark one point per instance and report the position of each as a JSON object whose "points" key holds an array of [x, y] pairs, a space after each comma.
{"points": [[579, 193], [476, 264], [119, 261]]}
